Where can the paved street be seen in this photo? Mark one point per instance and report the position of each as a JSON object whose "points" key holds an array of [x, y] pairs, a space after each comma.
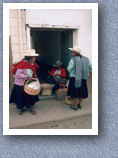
{"points": [[52, 113], [82, 122]]}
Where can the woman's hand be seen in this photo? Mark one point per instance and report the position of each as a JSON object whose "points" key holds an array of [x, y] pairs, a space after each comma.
{"points": [[30, 78], [37, 78], [56, 75]]}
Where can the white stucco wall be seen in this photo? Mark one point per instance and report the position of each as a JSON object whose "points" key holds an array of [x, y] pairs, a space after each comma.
{"points": [[81, 19]]}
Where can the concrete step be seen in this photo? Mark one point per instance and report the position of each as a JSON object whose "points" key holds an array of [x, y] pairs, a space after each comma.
{"points": [[42, 98]]}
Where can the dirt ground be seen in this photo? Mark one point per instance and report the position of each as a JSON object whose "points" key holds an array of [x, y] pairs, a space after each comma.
{"points": [[83, 122]]}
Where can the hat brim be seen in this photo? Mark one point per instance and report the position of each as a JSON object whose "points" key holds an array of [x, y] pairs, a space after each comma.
{"points": [[73, 50], [57, 65], [26, 55]]}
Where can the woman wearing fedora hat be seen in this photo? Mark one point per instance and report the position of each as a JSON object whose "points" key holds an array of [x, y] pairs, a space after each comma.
{"points": [[79, 67], [57, 74], [22, 71]]}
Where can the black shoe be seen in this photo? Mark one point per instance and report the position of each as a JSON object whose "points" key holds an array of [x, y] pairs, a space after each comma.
{"points": [[20, 112], [71, 107], [79, 106], [33, 111]]}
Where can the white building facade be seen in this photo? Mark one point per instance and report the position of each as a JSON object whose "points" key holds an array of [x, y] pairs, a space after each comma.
{"points": [[51, 32]]}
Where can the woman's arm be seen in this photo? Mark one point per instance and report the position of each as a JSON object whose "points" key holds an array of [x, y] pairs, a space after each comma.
{"points": [[63, 72], [20, 74], [70, 65], [90, 66], [52, 72]]}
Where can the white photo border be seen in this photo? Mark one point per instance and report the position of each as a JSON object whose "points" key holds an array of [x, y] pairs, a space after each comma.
{"points": [[94, 130]]}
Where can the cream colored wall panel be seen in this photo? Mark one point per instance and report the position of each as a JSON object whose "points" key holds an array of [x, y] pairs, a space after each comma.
{"points": [[23, 32], [15, 48], [24, 48], [18, 41], [15, 40], [24, 40], [13, 22], [16, 57], [23, 25], [14, 31], [70, 17], [23, 13], [13, 13]]}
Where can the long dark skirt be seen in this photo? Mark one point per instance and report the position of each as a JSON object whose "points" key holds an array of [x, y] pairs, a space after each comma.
{"points": [[21, 99], [81, 92]]}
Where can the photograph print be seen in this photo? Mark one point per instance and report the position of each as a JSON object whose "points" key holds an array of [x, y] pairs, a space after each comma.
{"points": [[52, 66]]}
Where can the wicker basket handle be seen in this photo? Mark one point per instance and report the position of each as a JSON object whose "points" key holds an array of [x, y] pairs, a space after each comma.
{"points": [[32, 79]]}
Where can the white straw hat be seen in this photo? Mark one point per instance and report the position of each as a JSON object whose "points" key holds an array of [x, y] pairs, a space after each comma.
{"points": [[76, 50], [30, 53]]}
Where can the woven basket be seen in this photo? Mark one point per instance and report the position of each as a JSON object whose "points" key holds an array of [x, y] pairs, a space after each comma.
{"points": [[69, 101], [61, 94], [32, 91], [46, 89]]}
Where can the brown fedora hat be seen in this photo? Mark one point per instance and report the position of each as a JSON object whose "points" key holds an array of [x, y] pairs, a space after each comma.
{"points": [[58, 63]]}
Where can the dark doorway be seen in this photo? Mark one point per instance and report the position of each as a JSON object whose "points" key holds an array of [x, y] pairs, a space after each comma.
{"points": [[66, 42], [52, 45]]}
